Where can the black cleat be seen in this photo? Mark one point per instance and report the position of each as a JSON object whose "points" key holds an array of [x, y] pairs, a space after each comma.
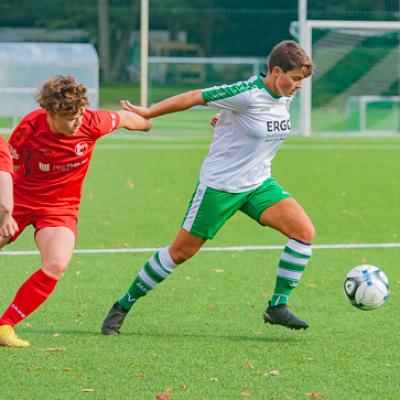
{"points": [[113, 321], [280, 315]]}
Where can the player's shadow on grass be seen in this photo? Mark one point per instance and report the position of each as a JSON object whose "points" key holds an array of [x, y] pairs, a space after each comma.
{"points": [[279, 337]]}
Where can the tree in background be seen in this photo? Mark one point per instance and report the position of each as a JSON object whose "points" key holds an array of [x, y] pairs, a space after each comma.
{"points": [[220, 27]]}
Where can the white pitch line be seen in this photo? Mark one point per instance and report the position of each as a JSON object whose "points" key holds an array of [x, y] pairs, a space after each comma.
{"points": [[188, 146], [208, 249], [152, 146]]}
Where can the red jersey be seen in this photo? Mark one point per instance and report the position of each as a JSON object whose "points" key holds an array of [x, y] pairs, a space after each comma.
{"points": [[5, 157], [53, 166]]}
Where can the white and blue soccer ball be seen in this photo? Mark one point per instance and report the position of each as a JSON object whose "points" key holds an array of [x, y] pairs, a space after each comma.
{"points": [[367, 287]]}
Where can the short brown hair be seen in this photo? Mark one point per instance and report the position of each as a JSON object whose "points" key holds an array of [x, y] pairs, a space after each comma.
{"points": [[289, 55], [62, 95]]}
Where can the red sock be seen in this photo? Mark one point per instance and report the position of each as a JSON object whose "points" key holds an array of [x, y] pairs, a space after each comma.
{"points": [[33, 292]]}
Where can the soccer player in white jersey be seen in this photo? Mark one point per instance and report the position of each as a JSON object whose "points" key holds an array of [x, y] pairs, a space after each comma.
{"points": [[236, 175]]}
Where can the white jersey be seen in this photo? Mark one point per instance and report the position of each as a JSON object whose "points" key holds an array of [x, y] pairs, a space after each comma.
{"points": [[251, 128]]}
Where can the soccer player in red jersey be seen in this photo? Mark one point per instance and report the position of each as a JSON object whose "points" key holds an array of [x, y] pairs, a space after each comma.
{"points": [[51, 149]]}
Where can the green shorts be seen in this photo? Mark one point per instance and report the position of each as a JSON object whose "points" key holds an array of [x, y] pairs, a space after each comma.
{"points": [[209, 208]]}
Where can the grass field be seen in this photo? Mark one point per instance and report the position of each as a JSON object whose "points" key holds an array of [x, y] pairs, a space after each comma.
{"points": [[200, 334], [325, 120]]}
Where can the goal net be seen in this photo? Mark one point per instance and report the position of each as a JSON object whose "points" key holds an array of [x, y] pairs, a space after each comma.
{"points": [[171, 75], [355, 87]]}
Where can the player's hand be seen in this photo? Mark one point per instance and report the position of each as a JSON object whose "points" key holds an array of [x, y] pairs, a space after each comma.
{"points": [[10, 228], [128, 106], [214, 120]]}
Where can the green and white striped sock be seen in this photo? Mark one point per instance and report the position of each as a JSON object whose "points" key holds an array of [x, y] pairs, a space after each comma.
{"points": [[157, 268], [293, 261]]}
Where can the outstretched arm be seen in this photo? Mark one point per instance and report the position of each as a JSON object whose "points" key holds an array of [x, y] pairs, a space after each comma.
{"points": [[172, 104], [132, 121]]}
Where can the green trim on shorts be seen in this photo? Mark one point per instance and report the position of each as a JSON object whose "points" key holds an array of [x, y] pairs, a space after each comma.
{"points": [[209, 208]]}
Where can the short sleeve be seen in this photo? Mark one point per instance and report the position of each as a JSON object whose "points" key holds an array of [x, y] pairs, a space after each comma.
{"points": [[235, 97], [6, 164], [104, 122], [18, 139]]}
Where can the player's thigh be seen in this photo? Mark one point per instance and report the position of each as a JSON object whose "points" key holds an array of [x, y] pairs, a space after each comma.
{"points": [[288, 217], [209, 209], [265, 196], [56, 245], [271, 205]]}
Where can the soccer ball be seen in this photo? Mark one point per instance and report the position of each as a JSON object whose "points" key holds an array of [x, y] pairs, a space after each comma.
{"points": [[367, 287]]}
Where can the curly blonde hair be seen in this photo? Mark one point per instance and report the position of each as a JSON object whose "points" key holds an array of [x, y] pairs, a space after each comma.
{"points": [[62, 95]]}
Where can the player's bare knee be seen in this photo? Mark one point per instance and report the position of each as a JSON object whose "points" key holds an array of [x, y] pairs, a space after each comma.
{"points": [[307, 234], [55, 267], [181, 254]]}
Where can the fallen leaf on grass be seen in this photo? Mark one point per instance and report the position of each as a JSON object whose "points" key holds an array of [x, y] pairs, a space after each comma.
{"points": [[245, 395], [184, 386], [316, 395], [249, 365], [163, 396], [218, 270], [56, 335], [55, 349], [274, 372], [214, 379], [34, 368], [87, 390], [67, 369]]}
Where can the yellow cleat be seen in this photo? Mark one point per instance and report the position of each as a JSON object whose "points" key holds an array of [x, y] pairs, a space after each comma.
{"points": [[8, 338]]}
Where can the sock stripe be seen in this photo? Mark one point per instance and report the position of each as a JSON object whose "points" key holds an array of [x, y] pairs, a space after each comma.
{"points": [[289, 274], [152, 273], [166, 259], [290, 266], [157, 268], [156, 258], [146, 279], [294, 253], [294, 260], [299, 247]]}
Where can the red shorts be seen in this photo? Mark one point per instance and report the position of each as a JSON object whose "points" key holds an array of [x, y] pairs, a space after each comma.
{"points": [[25, 216]]}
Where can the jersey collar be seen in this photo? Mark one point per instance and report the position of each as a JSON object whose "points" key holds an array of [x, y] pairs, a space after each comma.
{"points": [[262, 85]]}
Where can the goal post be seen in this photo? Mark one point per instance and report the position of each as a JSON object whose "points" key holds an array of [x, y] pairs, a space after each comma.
{"points": [[353, 58]]}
